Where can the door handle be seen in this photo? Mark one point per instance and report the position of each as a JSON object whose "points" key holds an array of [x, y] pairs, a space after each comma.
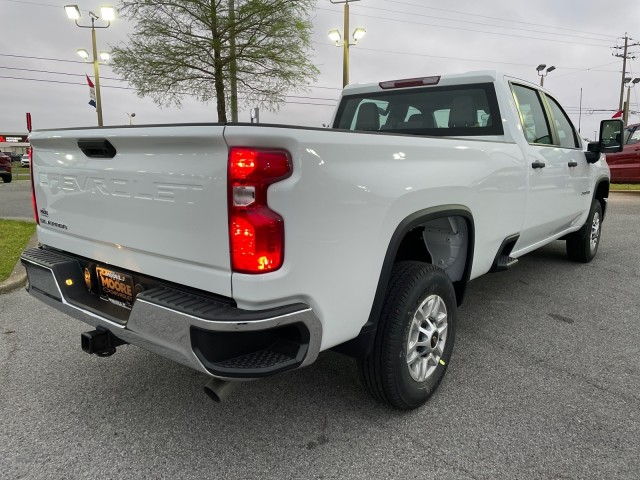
{"points": [[573, 164], [538, 164]]}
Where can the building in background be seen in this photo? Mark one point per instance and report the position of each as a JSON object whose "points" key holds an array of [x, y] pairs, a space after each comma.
{"points": [[14, 142]]}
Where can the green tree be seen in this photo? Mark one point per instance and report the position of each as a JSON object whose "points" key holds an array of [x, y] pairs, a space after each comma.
{"points": [[201, 48]]}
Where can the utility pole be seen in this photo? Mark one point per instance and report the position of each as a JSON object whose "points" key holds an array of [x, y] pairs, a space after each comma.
{"points": [[630, 83], [625, 56]]}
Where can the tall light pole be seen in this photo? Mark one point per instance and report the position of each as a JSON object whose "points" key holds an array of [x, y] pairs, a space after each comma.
{"points": [[629, 83], [334, 35], [108, 14], [543, 73]]}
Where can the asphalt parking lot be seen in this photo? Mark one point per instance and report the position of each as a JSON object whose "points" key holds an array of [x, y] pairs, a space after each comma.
{"points": [[15, 200], [544, 383]]}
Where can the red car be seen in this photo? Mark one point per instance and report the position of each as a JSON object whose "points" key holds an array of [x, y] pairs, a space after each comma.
{"points": [[5, 168], [625, 166]]}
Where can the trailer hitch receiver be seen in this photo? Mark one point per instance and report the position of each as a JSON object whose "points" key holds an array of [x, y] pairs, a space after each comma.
{"points": [[100, 342]]}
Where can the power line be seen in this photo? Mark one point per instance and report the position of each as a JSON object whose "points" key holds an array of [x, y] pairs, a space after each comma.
{"points": [[477, 31], [184, 93], [62, 82], [108, 78], [498, 18], [34, 3], [59, 73], [26, 2], [42, 58], [122, 80], [449, 57], [593, 69], [413, 14]]}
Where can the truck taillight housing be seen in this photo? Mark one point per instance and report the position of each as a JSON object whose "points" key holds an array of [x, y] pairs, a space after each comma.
{"points": [[33, 187], [256, 233]]}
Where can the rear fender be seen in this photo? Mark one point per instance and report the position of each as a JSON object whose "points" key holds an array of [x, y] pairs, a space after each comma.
{"points": [[362, 344]]}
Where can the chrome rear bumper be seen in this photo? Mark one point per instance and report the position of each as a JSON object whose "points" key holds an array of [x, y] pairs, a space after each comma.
{"points": [[206, 334]]}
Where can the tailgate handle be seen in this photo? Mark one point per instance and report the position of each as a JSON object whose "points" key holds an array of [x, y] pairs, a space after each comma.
{"points": [[97, 148]]}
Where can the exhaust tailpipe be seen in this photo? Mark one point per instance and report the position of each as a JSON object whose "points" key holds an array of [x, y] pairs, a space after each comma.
{"points": [[219, 390]]}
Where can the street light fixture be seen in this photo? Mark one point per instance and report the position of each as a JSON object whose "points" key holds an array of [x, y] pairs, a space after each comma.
{"points": [[542, 73], [73, 12], [359, 33], [334, 36], [107, 14]]}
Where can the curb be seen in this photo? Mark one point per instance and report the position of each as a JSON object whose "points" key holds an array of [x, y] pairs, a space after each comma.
{"points": [[18, 277]]}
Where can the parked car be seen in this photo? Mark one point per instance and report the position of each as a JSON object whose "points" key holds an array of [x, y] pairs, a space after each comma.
{"points": [[14, 156], [25, 161], [625, 166], [5, 168]]}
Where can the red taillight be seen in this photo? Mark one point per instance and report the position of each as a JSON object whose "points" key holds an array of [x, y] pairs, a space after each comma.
{"points": [[256, 233], [33, 188], [410, 82]]}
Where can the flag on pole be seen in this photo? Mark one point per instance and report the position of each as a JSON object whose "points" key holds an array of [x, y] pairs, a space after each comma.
{"points": [[618, 114], [92, 92]]}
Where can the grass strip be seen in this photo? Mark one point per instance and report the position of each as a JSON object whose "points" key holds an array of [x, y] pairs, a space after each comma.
{"points": [[620, 187], [14, 236]]}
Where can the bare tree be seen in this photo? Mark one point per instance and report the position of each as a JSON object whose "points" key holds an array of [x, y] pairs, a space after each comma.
{"points": [[200, 48]]}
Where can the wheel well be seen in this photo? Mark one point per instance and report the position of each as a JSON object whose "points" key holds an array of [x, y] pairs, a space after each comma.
{"points": [[602, 193], [441, 241], [442, 236]]}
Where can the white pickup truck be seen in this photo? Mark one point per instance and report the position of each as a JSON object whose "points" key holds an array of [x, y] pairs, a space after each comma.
{"points": [[244, 250]]}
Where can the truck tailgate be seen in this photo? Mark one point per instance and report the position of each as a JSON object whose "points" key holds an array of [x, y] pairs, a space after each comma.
{"points": [[158, 206]]}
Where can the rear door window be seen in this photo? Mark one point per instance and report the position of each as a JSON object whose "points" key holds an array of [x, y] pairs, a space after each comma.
{"points": [[632, 135], [567, 137]]}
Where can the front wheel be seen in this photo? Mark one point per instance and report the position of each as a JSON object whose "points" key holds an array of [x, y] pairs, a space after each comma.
{"points": [[582, 245], [415, 336], [7, 178]]}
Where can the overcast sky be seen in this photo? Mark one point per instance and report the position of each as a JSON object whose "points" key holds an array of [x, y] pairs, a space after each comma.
{"points": [[405, 38]]}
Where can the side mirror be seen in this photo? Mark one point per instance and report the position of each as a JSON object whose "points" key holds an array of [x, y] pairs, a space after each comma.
{"points": [[610, 140], [611, 136]]}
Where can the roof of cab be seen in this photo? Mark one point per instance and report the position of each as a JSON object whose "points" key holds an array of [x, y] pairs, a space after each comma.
{"points": [[481, 76]]}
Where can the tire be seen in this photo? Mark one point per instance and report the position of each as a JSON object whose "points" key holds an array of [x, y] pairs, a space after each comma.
{"points": [[582, 245], [391, 378], [7, 178]]}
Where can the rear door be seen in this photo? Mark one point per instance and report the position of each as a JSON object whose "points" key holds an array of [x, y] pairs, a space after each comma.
{"points": [[578, 170], [546, 211]]}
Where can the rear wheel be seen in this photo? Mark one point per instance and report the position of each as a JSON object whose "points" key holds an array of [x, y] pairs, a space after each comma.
{"points": [[7, 178], [582, 245], [415, 336]]}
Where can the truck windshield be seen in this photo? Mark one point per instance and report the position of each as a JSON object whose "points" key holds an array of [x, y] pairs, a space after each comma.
{"points": [[461, 110]]}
